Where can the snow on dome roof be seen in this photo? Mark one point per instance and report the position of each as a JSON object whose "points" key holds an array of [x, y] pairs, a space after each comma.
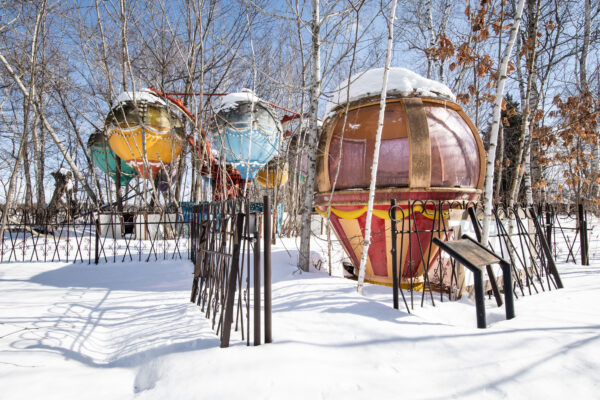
{"points": [[401, 81], [231, 100], [141, 95]]}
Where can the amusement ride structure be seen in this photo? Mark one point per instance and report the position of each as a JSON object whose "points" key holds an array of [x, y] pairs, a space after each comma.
{"points": [[430, 151], [144, 136]]}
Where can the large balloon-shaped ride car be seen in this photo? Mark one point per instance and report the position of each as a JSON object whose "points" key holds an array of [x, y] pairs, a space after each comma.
{"points": [[245, 133], [142, 123], [430, 151], [144, 133]]}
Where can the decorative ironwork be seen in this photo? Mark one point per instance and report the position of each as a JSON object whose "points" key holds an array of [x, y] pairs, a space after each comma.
{"points": [[224, 234], [519, 235], [36, 235]]}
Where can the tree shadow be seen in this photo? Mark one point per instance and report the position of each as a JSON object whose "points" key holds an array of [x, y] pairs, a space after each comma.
{"points": [[113, 314], [523, 371], [132, 276], [110, 331]]}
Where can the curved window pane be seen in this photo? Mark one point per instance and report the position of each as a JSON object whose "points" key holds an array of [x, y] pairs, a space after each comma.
{"points": [[454, 152], [359, 144]]}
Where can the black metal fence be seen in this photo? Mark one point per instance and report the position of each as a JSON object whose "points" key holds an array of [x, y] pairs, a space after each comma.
{"points": [[225, 239], [34, 235], [569, 233], [518, 234], [530, 238]]}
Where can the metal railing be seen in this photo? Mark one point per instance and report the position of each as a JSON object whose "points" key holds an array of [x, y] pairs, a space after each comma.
{"points": [[226, 253], [517, 234], [34, 235]]}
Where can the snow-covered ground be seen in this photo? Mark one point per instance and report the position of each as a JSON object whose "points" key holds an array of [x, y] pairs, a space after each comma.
{"points": [[127, 330]]}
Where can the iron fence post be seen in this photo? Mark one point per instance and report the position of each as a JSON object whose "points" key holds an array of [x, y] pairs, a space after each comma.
{"points": [[267, 269], [96, 250], [231, 284], [546, 248], [582, 235], [549, 224], [256, 240]]}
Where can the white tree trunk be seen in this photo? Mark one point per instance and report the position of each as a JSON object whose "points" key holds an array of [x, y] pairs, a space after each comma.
{"points": [[489, 174], [27, 102], [523, 166], [585, 88], [50, 130], [527, 176], [430, 38], [367, 243], [340, 152], [313, 139], [595, 164]]}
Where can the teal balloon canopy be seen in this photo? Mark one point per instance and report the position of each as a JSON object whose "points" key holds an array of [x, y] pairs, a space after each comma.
{"points": [[105, 159]]}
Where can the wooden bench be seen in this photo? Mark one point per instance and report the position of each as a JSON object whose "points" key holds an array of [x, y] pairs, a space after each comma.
{"points": [[475, 257]]}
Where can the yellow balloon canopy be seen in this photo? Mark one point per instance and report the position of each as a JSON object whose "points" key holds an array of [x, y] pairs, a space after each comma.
{"points": [[273, 174], [147, 117]]}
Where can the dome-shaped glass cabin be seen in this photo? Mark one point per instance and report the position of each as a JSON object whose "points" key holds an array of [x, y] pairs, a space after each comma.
{"points": [[430, 150]]}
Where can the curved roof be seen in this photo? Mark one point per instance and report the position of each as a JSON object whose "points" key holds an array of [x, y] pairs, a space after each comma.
{"points": [[401, 81]]}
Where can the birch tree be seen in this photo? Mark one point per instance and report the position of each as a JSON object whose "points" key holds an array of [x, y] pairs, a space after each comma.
{"points": [[28, 105], [586, 91], [313, 136], [523, 152], [388, 59], [488, 189], [50, 130]]}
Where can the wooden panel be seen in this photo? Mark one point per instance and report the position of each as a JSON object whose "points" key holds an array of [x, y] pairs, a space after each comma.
{"points": [[419, 172], [354, 236], [472, 253]]}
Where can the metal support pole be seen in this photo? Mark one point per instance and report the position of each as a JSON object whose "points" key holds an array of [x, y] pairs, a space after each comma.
{"points": [[394, 253], [488, 268], [509, 303], [479, 297], [549, 225], [582, 235], [96, 249], [587, 247], [257, 285], [267, 269], [231, 284]]}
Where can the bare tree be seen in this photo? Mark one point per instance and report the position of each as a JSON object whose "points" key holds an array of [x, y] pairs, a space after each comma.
{"points": [[491, 161], [28, 105], [388, 59]]}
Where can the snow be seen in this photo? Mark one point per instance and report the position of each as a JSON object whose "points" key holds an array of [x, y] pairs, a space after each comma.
{"points": [[128, 331], [141, 95], [401, 81], [230, 101], [67, 173]]}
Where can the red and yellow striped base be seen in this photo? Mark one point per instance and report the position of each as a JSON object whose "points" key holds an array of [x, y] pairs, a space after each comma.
{"points": [[415, 251]]}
